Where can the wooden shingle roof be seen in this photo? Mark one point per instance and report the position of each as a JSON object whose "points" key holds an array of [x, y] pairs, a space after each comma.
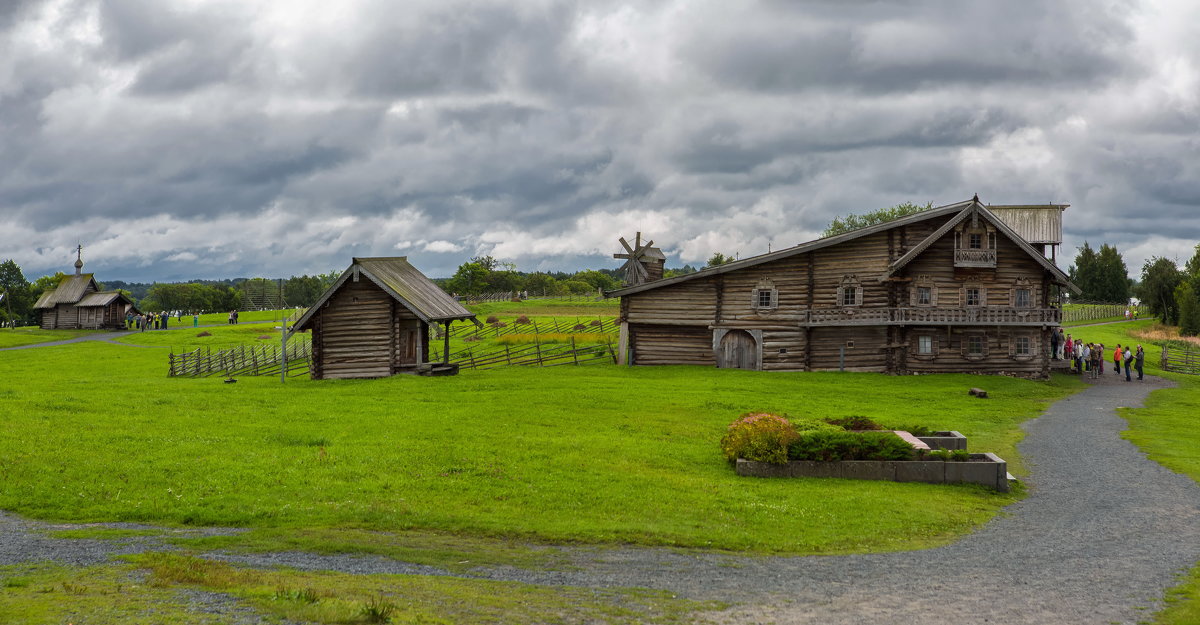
{"points": [[398, 278], [70, 290]]}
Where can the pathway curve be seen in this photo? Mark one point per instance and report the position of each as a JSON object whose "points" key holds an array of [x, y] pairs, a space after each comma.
{"points": [[1103, 532]]}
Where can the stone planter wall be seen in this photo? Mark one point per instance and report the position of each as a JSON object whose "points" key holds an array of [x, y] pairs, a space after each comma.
{"points": [[987, 469], [951, 440]]}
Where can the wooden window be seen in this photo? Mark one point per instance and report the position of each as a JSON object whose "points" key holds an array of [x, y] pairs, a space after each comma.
{"points": [[974, 346], [975, 240], [850, 293], [765, 296], [1023, 347], [1022, 298], [972, 296], [925, 345], [924, 296]]}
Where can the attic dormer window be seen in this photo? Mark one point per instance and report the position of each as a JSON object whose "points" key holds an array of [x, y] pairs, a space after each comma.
{"points": [[975, 240]]}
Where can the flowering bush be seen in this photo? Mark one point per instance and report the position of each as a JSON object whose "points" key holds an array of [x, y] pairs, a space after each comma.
{"points": [[760, 436]]}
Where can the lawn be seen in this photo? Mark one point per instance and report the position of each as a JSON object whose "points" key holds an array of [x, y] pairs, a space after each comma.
{"points": [[15, 337], [558, 455]]}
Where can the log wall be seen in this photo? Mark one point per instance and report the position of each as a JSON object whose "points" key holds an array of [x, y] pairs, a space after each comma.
{"points": [[360, 333]]}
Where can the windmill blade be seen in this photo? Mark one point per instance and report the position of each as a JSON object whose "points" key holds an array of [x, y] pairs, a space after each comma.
{"points": [[637, 242], [626, 245], [648, 244]]}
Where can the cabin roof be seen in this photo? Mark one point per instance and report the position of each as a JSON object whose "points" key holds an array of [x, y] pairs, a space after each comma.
{"points": [[70, 290], [101, 298], [398, 278], [960, 209]]}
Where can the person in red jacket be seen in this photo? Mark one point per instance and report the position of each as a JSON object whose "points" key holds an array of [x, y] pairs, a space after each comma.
{"points": [[1118, 356]]}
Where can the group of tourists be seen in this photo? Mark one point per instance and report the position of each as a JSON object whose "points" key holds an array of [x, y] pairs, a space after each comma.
{"points": [[146, 321], [233, 317], [1089, 357]]}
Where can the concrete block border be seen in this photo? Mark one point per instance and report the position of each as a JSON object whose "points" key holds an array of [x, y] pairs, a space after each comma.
{"points": [[951, 440], [987, 469]]}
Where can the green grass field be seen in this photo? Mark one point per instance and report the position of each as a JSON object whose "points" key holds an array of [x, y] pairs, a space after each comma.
{"points": [[488, 463], [560, 454], [15, 337]]}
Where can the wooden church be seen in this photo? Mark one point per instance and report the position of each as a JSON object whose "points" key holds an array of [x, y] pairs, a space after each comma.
{"points": [[374, 321], [958, 288], [77, 303]]}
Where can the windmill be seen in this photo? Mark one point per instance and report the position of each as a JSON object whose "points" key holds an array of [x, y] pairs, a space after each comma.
{"points": [[643, 262]]}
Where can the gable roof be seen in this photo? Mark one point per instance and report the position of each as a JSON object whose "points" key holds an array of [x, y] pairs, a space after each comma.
{"points": [[102, 298], [961, 210], [399, 279], [978, 209], [70, 290]]}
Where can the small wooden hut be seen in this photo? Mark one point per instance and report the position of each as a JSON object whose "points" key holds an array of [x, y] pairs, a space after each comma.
{"points": [[374, 321], [77, 303]]}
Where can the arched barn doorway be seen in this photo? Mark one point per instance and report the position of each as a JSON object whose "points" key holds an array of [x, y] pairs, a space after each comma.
{"points": [[737, 349]]}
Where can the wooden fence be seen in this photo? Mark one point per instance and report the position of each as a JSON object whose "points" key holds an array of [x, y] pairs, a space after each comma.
{"points": [[1180, 360], [536, 355], [508, 296], [262, 359], [540, 325], [1088, 312]]}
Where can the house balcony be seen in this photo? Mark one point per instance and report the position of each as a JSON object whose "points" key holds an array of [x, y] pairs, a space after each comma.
{"points": [[931, 316], [966, 257]]}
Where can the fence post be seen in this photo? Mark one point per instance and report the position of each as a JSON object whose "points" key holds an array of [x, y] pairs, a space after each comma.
{"points": [[574, 353]]}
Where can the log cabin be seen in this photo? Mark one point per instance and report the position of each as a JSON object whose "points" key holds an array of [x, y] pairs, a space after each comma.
{"points": [[951, 289], [77, 303], [374, 321]]}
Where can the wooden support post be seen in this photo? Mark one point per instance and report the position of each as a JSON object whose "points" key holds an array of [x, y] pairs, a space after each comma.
{"points": [[446, 344], [573, 352], [623, 344]]}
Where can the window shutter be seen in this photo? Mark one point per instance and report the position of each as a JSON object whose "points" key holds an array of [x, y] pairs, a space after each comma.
{"points": [[754, 299], [840, 293], [774, 298], [983, 302], [1012, 345]]}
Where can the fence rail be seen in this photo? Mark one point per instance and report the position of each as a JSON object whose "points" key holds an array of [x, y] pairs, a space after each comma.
{"points": [[243, 360], [554, 325], [536, 355], [1088, 312], [507, 296], [1180, 360]]}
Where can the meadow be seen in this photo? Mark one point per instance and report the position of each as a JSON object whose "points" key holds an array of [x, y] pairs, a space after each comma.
{"points": [[561, 454], [486, 466]]}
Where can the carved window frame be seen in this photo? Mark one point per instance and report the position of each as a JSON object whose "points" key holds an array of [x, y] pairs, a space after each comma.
{"points": [[1015, 341], [764, 287], [934, 344], [849, 282], [923, 282], [969, 340], [983, 297], [1024, 284]]}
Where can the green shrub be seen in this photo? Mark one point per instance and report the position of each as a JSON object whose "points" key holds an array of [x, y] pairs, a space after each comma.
{"points": [[829, 446], [759, 436], [915, 430], [960, 455], [945, 455], [854, 422]]}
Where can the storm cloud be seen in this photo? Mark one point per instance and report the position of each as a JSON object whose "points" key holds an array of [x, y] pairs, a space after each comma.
{"points": [[181, 139]]}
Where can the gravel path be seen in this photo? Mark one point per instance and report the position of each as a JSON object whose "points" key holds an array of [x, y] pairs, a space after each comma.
{"points": [[1103, 533]]}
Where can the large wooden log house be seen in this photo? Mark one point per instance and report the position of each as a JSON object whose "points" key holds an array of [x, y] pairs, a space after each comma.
{"points": [[951, 289], [77, 303], [374, 320]]}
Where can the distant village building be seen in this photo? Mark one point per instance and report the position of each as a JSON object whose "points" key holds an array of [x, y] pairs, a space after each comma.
{"points": [[77, 303], [375, 321], [957, 288]]}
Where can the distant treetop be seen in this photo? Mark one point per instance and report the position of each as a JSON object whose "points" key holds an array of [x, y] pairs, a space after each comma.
{"points": [[854, 222]]}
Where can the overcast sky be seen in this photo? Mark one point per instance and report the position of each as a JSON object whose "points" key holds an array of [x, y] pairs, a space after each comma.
{"points": [[185, 139]]}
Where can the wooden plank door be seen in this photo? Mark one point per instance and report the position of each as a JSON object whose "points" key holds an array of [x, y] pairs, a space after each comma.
{"points": [[738, 350]]}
